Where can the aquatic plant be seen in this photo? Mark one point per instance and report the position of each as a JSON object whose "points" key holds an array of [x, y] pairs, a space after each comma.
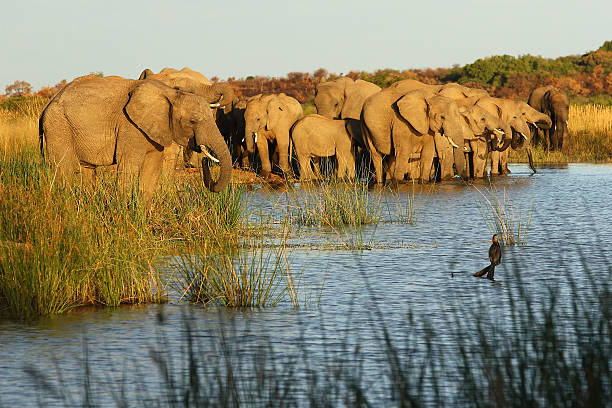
{"points": [[503, 216], [335, 203]]}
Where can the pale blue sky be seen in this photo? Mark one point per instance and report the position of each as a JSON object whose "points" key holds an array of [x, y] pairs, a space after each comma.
{"points": [[43, 42]]}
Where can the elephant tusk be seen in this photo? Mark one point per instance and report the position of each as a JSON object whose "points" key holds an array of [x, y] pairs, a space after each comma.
{"points": [[215, 105], [499, 131], [207, 154], [566, 123], [255, 137], [452, 143], [522, 135]]}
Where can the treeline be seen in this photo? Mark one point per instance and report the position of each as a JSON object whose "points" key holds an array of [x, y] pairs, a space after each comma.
{"points": [[586, 78]]}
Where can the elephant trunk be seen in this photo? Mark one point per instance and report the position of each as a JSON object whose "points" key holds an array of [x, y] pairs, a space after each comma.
{"points": [[220, 94], [459, 156], [250, 136], [454, 132], [530, 157], [211, 142]]}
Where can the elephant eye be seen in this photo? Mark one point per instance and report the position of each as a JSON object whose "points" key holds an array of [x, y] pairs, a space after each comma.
{"points": [[193, 121], [442, 117]]}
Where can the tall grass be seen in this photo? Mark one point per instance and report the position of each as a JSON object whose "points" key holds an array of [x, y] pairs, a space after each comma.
{"points": [[248, 273], [504, 217], [589, 138]]}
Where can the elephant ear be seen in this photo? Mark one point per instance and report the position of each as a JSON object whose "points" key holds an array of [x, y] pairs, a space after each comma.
{"points": [[413, 108], [149, 109], [145, 74]]}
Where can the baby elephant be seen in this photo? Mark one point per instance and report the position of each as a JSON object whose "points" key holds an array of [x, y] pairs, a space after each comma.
{"points": [[319, 136]]}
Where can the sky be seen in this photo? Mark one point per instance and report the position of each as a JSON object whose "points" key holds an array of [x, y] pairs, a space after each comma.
{"points": [[43, 42]]}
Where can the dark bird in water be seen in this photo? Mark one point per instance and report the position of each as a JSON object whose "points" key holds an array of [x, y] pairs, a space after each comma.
{"points": [[494, 257]]}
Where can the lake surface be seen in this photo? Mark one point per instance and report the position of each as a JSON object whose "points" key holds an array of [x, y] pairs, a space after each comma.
{"points": [[424, 269]]}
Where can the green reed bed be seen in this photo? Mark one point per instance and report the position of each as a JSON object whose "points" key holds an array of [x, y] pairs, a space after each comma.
{"points": [[66, 246], [503, 216], [245, 272], [334, 204]]}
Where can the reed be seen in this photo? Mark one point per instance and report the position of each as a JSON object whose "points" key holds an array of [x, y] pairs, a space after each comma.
{"points": [[244, 272], [335, 203], [406, 207], [504, 217]]}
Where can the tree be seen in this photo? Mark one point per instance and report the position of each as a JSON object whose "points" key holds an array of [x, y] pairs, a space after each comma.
{"points": [[18, 88], [320, 73]]}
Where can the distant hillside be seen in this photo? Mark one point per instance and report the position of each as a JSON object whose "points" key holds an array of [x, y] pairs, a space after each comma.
{"points": [[583, 77]]}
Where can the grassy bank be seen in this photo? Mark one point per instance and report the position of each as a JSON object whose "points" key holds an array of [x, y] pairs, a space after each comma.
{"points": [[589, 140]]}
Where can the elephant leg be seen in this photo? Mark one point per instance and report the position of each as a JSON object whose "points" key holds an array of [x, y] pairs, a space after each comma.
{"points": [[283, 157], [350, 167], [305, 169], [60, 152], [445, 157], [495, 160], [426, 163], [503, 161], [377, 162], [149, 175]]}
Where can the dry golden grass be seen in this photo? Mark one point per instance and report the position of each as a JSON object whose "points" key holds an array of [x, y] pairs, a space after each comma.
{"points": [[589, 140]]}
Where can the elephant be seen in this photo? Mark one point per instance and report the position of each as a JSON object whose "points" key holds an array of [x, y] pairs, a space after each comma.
{"points": [[343, 98], [554, 103], [457, 92], [516, 115], [410, 128], [220, 94], [481, 132], [231, 124], [450, 90], [110, 121], [319, 136], [268, 119]]}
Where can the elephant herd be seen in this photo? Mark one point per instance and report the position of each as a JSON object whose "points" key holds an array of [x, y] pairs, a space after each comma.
{"points": [[408, 130]]}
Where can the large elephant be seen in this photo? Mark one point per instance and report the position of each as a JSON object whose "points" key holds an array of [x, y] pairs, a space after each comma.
{"points": [[410, 128], [268, 119], [317, 136], [450, 90], [554, 103], [219, 94], [343, 98], [106, 121]]}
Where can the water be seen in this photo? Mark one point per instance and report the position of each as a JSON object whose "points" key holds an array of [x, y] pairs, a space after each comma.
{"points": [[424, 269]]}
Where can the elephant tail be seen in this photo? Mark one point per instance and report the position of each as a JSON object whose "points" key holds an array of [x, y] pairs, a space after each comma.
{"points": [[41, 140]]}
